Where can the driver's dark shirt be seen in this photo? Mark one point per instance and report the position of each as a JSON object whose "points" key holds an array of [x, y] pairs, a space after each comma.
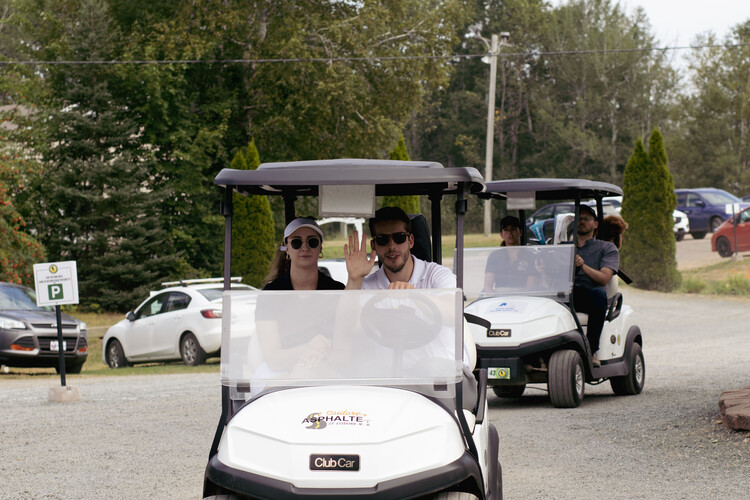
{"points": [[513, 274]]}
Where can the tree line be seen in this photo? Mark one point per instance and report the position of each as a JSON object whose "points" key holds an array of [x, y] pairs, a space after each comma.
{"points": [[111, 164]]}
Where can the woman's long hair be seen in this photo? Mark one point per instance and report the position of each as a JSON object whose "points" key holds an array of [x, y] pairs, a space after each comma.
{"points": [[280, 265]]}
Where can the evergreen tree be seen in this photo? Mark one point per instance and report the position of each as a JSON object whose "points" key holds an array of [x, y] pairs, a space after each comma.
{"points": [[93, 203], [18, 251], [648, 254], [253, 240], [409, 204]]}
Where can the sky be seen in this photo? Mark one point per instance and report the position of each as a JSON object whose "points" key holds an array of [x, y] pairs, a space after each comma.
{"points": [[676, 22]]}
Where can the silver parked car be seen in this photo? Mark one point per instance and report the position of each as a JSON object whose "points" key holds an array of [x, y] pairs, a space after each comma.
{"points": [[28, 333], [182, 321]]}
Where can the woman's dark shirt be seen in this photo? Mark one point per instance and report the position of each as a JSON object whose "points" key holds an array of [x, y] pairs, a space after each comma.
{"points": [[284, 282]]}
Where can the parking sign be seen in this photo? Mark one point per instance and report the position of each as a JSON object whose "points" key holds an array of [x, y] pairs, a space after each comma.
{"points": [[56, 283]]}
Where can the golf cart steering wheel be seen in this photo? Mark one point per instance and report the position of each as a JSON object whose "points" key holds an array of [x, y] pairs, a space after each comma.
{"points": [[404, 327]]}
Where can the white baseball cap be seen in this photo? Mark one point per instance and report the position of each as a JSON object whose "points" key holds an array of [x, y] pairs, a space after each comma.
{"points": [[302, 222]]}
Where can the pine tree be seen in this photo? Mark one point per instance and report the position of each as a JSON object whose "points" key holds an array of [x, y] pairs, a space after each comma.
{"points": [[648, 254], [94, 202], [409, 204], [253, 241]]}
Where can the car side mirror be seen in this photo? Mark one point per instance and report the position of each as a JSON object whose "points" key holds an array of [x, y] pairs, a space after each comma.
{"points": [[130, 316], [700, 203]]}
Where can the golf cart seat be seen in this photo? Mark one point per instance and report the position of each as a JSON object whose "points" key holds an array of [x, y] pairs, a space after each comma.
{"points": [[614, 303], [420, 230]]}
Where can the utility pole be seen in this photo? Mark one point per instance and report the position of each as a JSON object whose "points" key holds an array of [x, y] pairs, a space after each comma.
{"points": [[490, 130]]}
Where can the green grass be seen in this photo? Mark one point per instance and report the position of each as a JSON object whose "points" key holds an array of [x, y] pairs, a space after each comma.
{"points": [[334, 249], [730, 277]]}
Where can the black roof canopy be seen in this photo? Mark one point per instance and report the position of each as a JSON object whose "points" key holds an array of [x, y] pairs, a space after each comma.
{"points": [[552, 189], [390, 177]]}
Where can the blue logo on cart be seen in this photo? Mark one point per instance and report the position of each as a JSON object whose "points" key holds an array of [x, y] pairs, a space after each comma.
{"points": [[334, 462]]}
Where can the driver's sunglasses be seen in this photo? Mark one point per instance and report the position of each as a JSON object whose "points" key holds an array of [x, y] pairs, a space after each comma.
{"points": [[398, 238], [312, 242]]}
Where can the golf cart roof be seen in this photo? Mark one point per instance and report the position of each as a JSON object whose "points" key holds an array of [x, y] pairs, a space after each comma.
{"points": [[552, 189], [390, 177]]}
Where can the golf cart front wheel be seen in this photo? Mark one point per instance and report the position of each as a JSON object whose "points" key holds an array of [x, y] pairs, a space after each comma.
{"points": [[632, 383], [566, 379], [455, 495]]}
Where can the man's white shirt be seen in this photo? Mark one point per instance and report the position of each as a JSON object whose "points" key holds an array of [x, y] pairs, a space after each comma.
{"points": [[424, 275]]}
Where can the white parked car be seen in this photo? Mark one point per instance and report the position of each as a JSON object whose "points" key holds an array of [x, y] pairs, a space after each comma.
{"points": [[182, 321], [681, 222]]}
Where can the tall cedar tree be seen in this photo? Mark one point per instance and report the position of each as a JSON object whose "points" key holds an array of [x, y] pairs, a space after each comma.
{"points": [[253, 241], [648, 254], [409, 204], [93, 202]]}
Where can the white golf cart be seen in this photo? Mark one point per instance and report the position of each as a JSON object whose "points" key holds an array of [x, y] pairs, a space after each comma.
{"points": [[536, 337], [382, 412]]}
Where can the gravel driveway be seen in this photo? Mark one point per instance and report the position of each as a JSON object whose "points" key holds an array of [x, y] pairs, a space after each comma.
{"points": [[149, 436]]}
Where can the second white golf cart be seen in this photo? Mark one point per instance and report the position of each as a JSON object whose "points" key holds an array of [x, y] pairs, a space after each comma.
{"points": [[385, 413], [536, 335]]}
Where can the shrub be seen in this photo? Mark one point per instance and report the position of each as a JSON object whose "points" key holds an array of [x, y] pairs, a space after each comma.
{"points": [[648, 253], [253, 240]]}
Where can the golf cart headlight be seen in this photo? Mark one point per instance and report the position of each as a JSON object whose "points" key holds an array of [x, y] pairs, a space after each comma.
{"points": [[11, 324], [82, 326]]}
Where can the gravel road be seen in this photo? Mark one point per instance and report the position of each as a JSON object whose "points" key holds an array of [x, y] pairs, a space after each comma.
{"points": [[149, 436]]}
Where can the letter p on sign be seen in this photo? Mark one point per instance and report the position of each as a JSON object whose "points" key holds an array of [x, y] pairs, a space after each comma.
{"points": [[55, 291]]}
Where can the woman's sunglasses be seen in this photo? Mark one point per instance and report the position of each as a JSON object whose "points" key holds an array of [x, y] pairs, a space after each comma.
{"points": [[312, 242], [382, 239]]}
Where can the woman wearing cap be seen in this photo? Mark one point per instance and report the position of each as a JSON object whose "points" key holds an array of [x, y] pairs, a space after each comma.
{"points": [[286, 347], [295, 265]]}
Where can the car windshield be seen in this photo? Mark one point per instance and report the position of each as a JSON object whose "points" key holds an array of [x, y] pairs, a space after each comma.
{"points": [[360, 337], [719, 197], [18, 299], [539, 270]]}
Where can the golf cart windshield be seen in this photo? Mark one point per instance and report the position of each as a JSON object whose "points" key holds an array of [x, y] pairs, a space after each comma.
{"points": [[305, 338], [542, 271]]}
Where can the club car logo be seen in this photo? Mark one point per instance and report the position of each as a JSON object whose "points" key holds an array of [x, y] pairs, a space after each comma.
{"points": [[498, 332], [334, 462], [323, 419]]}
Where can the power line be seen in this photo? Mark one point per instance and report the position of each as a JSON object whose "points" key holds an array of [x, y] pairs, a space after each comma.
{"points": [[374, 58]]}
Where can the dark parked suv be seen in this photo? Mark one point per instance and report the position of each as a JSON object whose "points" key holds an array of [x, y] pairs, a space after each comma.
{"points": [[28, 333], [705, 208]]}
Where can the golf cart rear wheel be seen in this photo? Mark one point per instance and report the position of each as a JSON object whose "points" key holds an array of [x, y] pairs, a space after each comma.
{"points": [[191, 351], [633, 382], [724, 247], [566, 380], [698, 235], [508, 391]]}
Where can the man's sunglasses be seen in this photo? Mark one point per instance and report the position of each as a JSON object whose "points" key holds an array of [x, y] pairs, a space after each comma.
{"points": [[382, 239], [312, 242]]}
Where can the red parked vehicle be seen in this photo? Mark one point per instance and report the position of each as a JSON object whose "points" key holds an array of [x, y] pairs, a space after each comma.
{"points": [[723, 240]]}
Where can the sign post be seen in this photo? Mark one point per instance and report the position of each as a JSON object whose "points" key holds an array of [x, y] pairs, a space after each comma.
{"points": [[56, 285]]}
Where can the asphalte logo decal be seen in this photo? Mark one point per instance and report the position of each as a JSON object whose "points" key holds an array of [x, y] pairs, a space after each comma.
{"points": [[314, 421], [321, 420], [334, 462]]}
